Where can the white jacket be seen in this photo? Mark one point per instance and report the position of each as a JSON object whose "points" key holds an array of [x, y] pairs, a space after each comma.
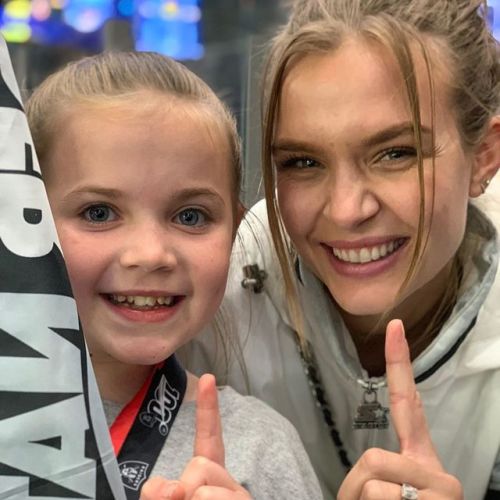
{"points": [[461, 371]]}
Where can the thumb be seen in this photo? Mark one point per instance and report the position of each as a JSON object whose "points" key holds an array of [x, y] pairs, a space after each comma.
{"points": [[158, 488], [407, 412], [208, 440]]}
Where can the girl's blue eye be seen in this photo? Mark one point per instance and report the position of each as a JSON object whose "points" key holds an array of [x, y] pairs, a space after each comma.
{"points": [[99, 214], [191, 217]]}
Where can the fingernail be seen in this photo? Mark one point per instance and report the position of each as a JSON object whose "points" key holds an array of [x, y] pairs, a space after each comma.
{"points": [[399, 331]]}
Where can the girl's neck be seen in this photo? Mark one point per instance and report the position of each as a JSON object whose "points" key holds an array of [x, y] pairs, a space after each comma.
{"points": [[120, 382], [418, 312], [117, 381]]}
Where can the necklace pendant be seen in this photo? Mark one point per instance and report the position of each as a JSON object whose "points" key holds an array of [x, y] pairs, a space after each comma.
{"points": [[370, 413]]}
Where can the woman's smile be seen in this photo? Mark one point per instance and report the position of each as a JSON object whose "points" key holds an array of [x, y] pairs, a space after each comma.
{"points": [[367, 260]]}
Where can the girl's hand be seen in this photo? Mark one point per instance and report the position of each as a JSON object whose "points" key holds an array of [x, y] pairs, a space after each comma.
{"points": [[379, 474], [205, 476]]}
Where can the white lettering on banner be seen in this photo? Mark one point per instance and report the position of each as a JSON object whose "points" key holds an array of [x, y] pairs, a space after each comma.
{"points": [[31, 318], [26, 225]]}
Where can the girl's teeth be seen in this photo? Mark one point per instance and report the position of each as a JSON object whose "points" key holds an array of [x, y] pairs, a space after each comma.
{"points": [[142, 301], [365, 255]]}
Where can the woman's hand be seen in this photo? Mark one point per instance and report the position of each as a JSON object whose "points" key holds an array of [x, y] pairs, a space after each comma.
{"points": [[379, 474], [205, 477]]}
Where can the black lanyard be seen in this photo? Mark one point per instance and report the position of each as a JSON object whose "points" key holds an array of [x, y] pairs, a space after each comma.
{"points": [[141, 429]]}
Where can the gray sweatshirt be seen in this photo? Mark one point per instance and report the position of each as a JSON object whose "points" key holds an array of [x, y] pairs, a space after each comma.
{"points": [[263, 450]]}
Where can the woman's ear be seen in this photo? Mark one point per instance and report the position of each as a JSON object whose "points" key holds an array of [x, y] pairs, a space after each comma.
{"points": [[486, 159]]}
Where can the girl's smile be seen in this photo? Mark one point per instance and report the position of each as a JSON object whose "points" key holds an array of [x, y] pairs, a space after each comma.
{"points": [[145, 307]]}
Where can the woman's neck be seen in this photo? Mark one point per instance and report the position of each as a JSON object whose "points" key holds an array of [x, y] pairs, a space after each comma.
{"points": [[417, 312]]}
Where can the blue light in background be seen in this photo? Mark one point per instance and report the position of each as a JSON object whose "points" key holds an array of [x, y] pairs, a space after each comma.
{"points": [[494, 17], [171, 27], [87, 16]]}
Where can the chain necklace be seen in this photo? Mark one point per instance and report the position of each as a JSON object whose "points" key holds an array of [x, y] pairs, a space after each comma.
{"points": [[370, 413], [318, 392]]}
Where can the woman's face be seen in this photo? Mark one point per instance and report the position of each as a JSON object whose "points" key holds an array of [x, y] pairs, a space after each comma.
{"points": [[347, 179]]}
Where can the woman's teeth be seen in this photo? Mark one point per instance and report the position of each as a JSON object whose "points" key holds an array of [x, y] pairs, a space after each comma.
{"points": [[364, 255], [141, 300]]}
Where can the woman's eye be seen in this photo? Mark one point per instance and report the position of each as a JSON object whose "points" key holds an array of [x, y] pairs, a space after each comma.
{"points": [[191, 217], [298, 163], [395, 154], [99, 214]]}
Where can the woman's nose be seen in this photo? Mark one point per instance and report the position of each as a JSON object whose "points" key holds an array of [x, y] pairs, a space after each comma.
{"points": [[351, 199]]}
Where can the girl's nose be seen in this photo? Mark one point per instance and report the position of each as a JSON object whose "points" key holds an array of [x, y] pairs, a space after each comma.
{"points": [[148, 247]]}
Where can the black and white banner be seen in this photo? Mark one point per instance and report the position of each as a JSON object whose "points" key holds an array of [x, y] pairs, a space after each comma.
{"points": [[54, 442]]}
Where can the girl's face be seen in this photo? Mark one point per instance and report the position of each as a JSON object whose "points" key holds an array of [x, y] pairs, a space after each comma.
{"points": [[143, 206], [347, 178]]}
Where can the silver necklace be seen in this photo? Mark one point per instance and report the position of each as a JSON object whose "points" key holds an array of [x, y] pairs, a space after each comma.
{"points": [[370, 414]]}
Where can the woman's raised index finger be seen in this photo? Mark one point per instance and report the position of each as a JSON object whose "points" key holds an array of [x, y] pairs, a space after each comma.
{"points": [[407, 412]]}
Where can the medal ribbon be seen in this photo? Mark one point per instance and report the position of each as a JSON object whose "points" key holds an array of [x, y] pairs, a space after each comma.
{"points": [[142, 427]]}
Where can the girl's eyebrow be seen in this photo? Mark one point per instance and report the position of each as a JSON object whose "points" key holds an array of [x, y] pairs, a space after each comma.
{"points": [[84, 190], [114, 194], [196, 192]]}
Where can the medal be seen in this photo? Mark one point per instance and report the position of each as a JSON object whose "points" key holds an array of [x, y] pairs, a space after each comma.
{"points": [[370, 414]]}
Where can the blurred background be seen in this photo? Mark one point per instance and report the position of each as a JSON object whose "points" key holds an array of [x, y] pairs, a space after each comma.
{"points": [[223, 41]]}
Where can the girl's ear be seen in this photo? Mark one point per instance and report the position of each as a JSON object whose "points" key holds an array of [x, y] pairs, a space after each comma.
{"points": [[238, 216], [241, 211], [486, 159]]}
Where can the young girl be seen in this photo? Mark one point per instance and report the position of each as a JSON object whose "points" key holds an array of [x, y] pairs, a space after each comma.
{"points": [[379, 129], [141, 165]]}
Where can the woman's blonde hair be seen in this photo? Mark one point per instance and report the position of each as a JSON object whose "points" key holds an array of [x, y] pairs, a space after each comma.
{"points": [[454, 30], [113, 77]]}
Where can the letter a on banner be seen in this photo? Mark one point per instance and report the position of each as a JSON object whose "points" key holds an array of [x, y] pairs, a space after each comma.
{"points": [[54, 442]]}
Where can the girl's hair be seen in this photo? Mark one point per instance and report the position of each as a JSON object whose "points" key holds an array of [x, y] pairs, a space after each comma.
{"points": [[452, 38], [114, 77]]}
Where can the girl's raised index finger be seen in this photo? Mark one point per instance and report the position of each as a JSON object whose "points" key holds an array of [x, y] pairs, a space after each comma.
{"points": [[407, 412], [208, 441]]}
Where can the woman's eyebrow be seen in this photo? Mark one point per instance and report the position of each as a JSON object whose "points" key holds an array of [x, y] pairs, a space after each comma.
{"points": [[404, 129], [395, 131], [292, 146]]}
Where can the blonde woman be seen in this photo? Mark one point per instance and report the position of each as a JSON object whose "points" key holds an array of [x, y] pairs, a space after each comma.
{"points": [[380, 141]]}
